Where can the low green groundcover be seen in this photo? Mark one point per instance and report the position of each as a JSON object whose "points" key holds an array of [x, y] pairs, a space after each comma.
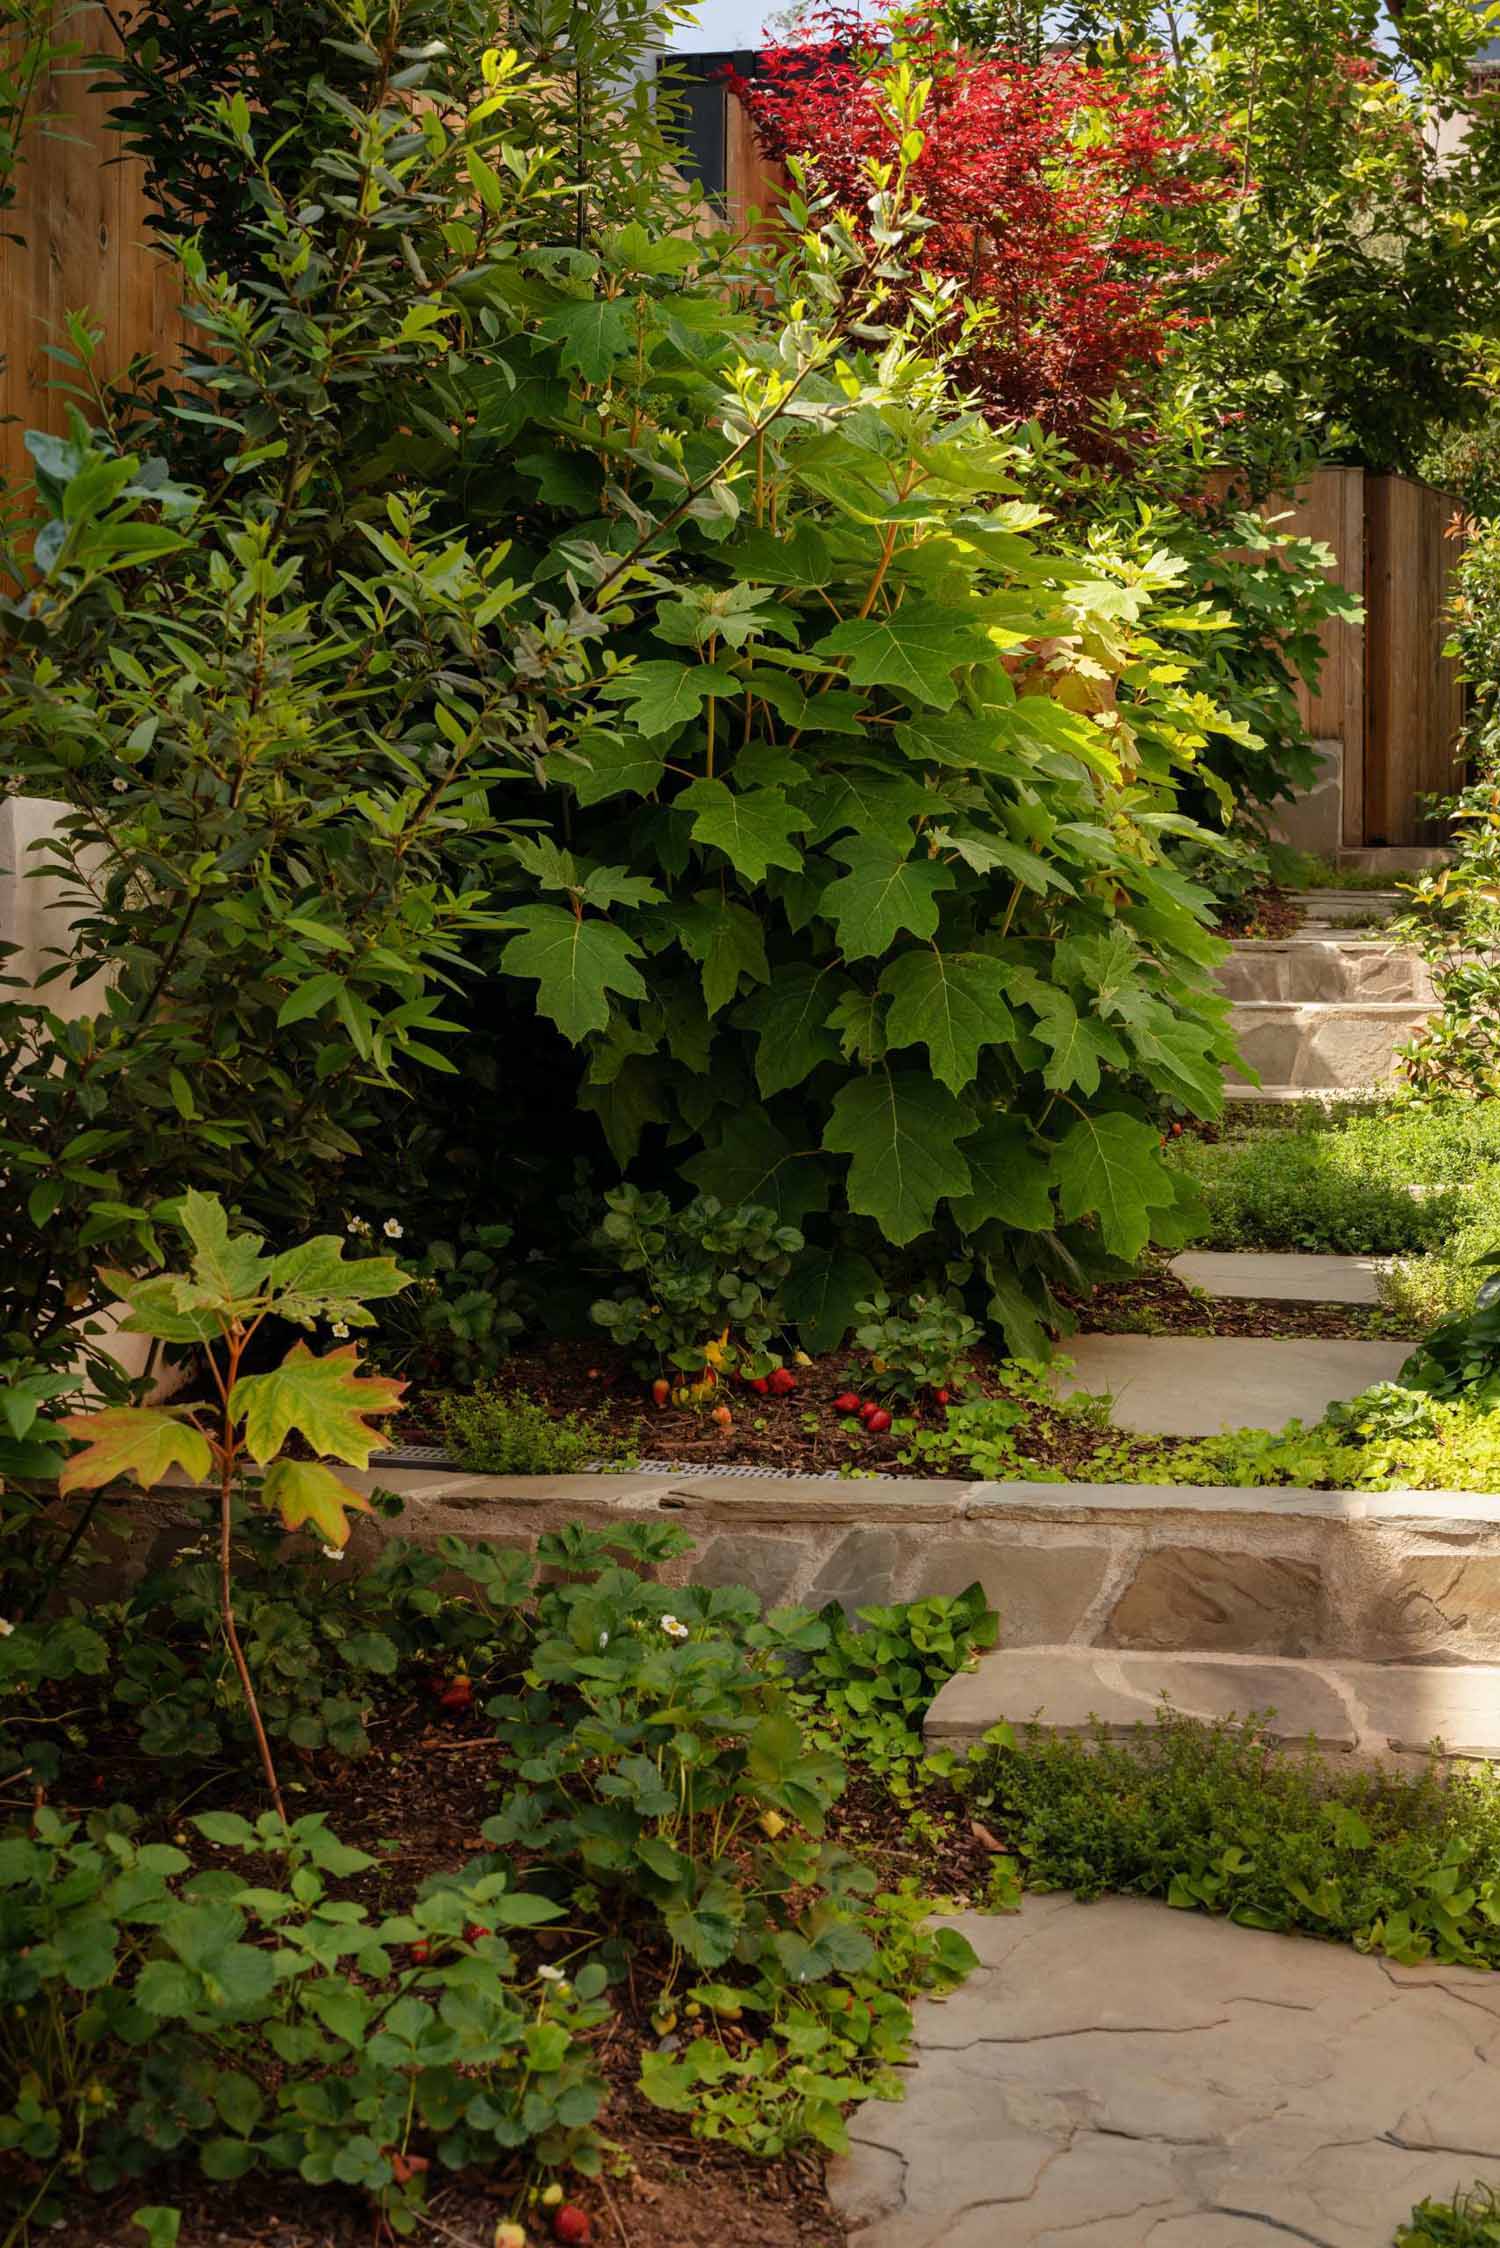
{"points": [[1340, 1182], [1389, 1439]]}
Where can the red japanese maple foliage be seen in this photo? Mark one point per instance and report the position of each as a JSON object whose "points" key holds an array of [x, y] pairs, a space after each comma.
{"points": [[1055, 198]]}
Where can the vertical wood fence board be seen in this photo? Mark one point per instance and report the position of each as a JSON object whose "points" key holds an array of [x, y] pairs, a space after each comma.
{"points": [[1413, 700], [85, 246]]}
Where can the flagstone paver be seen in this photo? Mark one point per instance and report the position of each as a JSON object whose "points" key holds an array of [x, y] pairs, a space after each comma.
{"points": [[1265, 1277], [1199, 1385], [1120, 2075]]}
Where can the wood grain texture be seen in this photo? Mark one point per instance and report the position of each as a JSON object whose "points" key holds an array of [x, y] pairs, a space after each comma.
{"points": [[85, 246], [1413, 700]]}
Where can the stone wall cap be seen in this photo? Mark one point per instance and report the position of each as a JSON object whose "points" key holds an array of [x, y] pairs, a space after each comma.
{"points": [[987, 1500]]}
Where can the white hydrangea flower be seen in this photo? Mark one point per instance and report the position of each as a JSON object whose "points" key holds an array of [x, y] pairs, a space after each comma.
{"points": [[603, 1641]]}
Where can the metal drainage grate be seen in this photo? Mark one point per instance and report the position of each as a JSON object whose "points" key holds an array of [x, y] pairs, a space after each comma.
{"points": [[433, 1455]]}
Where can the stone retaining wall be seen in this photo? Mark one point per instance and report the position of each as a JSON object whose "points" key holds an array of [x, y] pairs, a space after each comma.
{"points": [[1392, 1577]]}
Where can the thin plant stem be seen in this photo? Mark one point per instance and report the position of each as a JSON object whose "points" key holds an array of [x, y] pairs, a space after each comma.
{"points": [[227, 1454]]}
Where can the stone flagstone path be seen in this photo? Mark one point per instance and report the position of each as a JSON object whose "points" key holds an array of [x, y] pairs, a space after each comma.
{"points": [[1120, 2075], [1199, 1385]]}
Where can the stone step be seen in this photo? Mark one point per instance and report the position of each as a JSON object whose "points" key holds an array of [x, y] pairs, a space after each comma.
{"points": [[1324, 1045], [1258, 1276], [1357, 908], [1395, 859], [1201, 1385], [1327, 968], [1370, 1709]]}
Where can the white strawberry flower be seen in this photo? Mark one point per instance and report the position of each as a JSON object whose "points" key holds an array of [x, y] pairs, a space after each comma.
{"points": [[333, 1553], [6, 1628], [340, 1328], [393, 1229], [673, 1629], [550, 1975]]}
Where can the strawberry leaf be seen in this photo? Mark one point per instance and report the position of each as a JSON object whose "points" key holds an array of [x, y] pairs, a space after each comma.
{"points": [[325, 1400], [143, 1441]]}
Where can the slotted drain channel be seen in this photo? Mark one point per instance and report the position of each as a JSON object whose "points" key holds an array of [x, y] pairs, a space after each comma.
{"points": [[433, 1455]]}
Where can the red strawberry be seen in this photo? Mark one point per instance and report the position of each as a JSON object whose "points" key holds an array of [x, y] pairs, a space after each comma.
{"points": [[782, 1382], [848, 1403], [878, 1422], [760, 1385], [420, 1954], [457, 1694], [940, 1396], [661, 1391], [869, 1406], [474, 1931], [723, 1416], [571, 2224]]}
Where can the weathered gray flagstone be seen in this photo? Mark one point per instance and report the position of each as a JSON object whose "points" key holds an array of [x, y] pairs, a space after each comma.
{"points": [[1268, 1277], [1199, 1385], [1377, 1709], [1120, 2075]]}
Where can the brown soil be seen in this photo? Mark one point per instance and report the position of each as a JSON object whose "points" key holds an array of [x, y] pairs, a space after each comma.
{"points": [[1156, 1303], [803, 1433]]}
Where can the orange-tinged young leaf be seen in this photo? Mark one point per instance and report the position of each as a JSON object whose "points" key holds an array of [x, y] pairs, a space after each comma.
{"points": [[305, 1491], [139, 1440], [325, 1400]]}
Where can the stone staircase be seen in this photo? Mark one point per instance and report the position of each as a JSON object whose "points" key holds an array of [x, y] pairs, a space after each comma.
{"points": [[1324, 1011]]}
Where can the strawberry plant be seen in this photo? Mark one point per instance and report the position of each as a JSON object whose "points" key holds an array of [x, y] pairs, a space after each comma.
{"points": [[868, 1682], [927, 1345], [148, 2016], [233, 1285], [703, 1284]]}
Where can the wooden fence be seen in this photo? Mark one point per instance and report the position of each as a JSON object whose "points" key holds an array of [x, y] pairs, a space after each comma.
{"points": [[83, 246], [1386, 694]]}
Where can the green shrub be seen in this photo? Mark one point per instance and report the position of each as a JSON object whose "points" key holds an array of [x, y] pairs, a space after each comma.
{"points": [[805, 819], [1214, 1818], [1469, 2220], [494, 1432]]}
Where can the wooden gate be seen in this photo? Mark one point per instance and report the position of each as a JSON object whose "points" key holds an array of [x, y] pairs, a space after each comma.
{"points": [[1413, 699]]}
